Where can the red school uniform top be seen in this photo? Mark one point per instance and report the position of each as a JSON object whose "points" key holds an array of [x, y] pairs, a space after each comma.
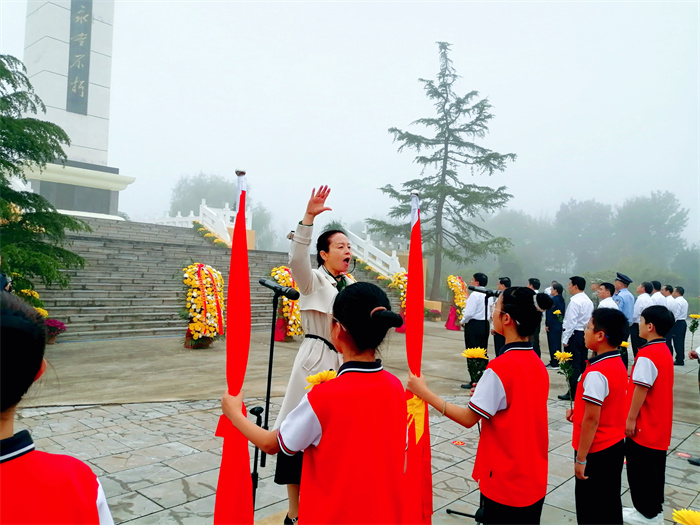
{"points": [[41, 488], [353, 432], [511, 461], [653, 368], [605, 384]]}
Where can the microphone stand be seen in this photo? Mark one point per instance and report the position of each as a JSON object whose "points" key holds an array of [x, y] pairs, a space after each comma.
{"points": [[275, 302], [257, 412]]}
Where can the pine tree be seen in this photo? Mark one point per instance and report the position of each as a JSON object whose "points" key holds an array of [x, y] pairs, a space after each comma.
{"points": [[449, 206], [33, 232]]}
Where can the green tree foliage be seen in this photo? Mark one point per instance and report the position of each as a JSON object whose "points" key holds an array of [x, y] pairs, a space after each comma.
{"points": [[33, 232], [263, 224], [189, 191], [450, 208], [583, 234], [651, 226]]}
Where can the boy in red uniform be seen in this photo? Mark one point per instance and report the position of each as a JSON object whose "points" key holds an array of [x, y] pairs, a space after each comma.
{"points": [[511, 399], [649, 418], [37, 487], [599, 421], [354, 452]]}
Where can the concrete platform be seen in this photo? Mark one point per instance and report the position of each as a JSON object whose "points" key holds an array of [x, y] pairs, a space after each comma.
{"points": [[142, 413]]}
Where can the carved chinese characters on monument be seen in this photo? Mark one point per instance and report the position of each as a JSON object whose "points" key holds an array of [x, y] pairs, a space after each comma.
{"points": [[79, 56]]}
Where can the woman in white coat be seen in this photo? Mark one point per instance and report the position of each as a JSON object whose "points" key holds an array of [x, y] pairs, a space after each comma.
{"points": [[318, 288]]}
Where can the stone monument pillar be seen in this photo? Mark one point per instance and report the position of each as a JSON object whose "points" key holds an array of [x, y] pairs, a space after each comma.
{"points": [[68, 55]]}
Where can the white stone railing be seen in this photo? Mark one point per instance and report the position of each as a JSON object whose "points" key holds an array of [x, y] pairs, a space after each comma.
{"points": [[217, 220], [385, 264]]}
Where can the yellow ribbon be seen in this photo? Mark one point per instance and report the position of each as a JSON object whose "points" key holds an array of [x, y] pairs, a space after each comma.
{"points": [[416, 413]]}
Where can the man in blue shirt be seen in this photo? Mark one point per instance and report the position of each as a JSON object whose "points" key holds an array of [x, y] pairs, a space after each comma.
{"points": [[625, 302]]}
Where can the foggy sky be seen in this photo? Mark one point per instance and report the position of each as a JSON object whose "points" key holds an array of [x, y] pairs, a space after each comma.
{"points": [[598, 100]]}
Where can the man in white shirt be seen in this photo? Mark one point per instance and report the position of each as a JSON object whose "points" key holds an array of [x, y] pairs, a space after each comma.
{"points": [[680, 326], [642, 302], [475, 318], [498, 339], [656, 296], [605, 293], [576, 318]]}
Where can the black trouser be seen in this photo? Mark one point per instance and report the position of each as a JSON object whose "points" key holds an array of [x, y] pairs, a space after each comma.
{"points": [[636, 340], [678, 338], [669, 338], [646, 475], [554, 342], [535, 338], [476, 335], [504, 514], [598, 497], [498, 342], [577, 347]]}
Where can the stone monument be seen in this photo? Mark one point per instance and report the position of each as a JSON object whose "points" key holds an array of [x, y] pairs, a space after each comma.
{"points": [[68, 55]]}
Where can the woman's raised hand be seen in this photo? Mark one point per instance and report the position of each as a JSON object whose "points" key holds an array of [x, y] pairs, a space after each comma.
{"points": [[317, 204]]}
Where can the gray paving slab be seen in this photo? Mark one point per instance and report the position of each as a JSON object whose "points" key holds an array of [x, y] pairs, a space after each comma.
{"points": [[152, 440]]}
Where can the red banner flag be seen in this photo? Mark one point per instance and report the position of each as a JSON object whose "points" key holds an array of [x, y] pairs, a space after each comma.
{"points": [[418, 487], [234, 492]]}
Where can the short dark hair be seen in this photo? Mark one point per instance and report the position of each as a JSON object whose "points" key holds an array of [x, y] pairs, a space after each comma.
{"points": [[505, 281], [610, 287], [661, 317], [559, 288], [680, 290], [668, 288], [365, 311], [22, 344], [612, 322], [578, 281], [519, 303], [323, 243], [534, 282], [481, 278], [648, 287], [656, 285]]}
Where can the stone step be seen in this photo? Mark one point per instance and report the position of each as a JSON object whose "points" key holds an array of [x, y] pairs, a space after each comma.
{"points": [[154, 331]]}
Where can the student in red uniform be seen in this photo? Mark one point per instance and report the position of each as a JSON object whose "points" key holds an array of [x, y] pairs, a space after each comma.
{"points": [[352, 429], [649, 418], [37, 487], [599, 421], [511, 398]]}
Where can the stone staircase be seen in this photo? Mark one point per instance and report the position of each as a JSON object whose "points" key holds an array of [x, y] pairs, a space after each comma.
{"points": [[131, 285]]}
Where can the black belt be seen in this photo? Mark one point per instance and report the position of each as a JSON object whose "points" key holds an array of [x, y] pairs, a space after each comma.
{"points": [[328, 343]]}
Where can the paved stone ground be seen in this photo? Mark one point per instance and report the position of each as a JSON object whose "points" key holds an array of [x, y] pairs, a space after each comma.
{"points": [[158, 461]]}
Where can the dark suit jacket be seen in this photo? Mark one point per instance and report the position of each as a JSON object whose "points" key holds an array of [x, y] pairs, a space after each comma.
{"points": [[550, 319]]}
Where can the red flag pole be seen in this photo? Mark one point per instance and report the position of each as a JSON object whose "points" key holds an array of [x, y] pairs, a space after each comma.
{"points": [[234, 493], [418, 500]]}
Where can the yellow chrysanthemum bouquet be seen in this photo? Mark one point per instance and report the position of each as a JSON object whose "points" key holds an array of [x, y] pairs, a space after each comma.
{"points": [[686, 517], [566, 368], [476, 362], [288, 310], [399, 282], [204, 305], [459, 289], [319, 378]]}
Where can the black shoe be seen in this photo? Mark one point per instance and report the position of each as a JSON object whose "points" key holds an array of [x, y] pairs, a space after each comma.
{"points": [[565, 397], [553, 366], [694, 461], [676, 363], [290, 521], [467, 386]]}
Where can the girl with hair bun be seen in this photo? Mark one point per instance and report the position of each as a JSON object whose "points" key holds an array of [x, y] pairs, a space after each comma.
{"points": [[352, 428], [511, 399]]}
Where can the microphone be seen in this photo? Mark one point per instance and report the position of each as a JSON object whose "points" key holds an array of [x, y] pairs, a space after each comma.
{"points": [[487, 291], [288, 292]]}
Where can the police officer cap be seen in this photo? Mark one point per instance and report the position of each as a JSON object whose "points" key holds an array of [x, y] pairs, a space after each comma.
{"points": [[623, 278]]}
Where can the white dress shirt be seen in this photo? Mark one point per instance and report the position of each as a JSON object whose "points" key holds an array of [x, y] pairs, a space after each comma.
{"points": [[681, 308], [643, 301], [577, 315], [658, 298], [672, 305], [608, 303], [474, 309]]}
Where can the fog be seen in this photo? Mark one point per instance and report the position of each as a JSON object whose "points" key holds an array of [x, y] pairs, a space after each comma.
{"points": [[599, 100]]}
